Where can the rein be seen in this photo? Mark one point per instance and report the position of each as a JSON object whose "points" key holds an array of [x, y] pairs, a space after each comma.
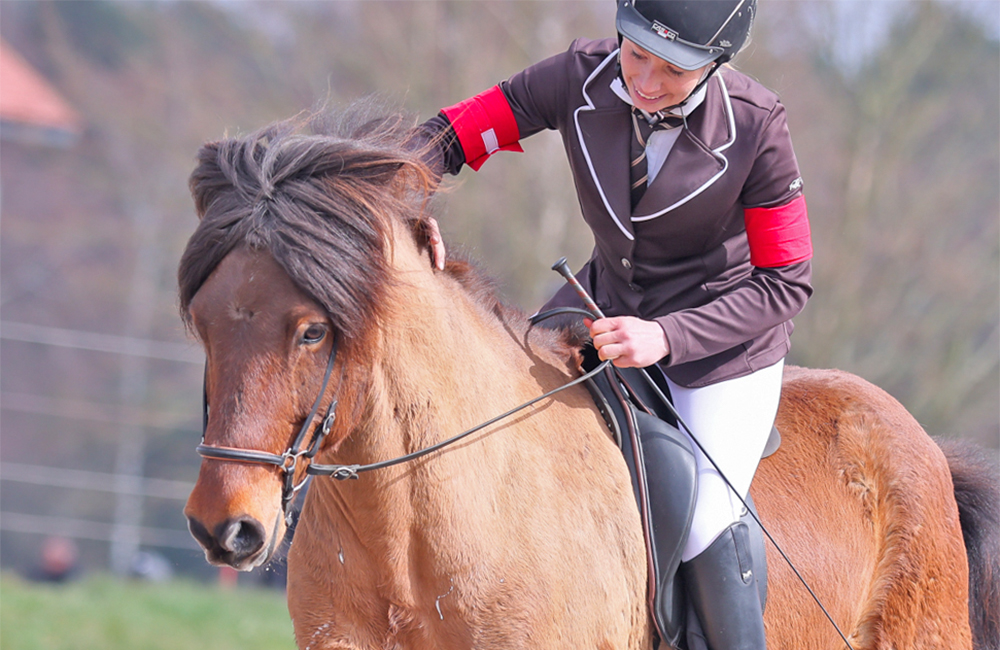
{"points": [[342, 472]]}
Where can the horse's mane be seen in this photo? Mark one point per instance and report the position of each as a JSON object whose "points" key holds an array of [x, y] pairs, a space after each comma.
{"points": [[317, 194]]}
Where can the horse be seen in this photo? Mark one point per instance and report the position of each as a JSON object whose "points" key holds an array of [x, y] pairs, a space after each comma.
{"points": [[332, 340]]}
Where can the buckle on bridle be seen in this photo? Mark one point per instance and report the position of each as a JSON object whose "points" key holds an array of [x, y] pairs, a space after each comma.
{"points": [[322, 432], [344, 472], [290, 461]]}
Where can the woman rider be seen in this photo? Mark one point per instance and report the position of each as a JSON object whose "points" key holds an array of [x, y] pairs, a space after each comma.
{"points": [[685, 173]]}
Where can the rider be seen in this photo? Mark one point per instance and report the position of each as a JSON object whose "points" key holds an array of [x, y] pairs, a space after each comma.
{"points": [[685, 173]]}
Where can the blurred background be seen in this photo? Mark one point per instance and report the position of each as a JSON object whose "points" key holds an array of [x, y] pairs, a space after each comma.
{"points": [[894, 108]]}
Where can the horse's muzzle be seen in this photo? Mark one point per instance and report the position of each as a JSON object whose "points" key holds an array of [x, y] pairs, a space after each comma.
{"points": [[237, 542]]}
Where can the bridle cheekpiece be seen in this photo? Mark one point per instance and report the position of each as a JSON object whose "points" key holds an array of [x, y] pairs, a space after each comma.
{"points": [[287, 462]]}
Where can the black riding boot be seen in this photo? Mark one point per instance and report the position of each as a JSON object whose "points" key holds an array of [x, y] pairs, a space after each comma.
{"points": [[723, 591]]}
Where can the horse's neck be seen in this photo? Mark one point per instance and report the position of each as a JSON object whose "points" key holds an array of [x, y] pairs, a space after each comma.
{"points": [[446, 362], [443, 364]]}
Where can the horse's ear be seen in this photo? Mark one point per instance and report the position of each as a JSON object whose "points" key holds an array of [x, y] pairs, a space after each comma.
{"points": [[207, 180]]}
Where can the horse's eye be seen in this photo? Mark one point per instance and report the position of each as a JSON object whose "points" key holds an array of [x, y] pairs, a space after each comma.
{"points": [[314, 334]]}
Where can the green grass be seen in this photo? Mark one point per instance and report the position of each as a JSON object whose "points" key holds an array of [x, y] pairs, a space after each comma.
{"points": [[102, 613]]}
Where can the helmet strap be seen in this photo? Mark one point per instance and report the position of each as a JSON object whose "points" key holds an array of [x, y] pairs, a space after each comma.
{"points": [[715, 66]]}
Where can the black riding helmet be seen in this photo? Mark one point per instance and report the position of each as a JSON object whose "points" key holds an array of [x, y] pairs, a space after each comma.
{"points": [[689, 34]]}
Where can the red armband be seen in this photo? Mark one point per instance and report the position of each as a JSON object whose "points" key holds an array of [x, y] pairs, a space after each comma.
{"points": [[484, 125], [779, 236]]}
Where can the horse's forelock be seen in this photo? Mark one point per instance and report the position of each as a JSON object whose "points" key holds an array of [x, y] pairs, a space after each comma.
{"points": [[320, 204]]}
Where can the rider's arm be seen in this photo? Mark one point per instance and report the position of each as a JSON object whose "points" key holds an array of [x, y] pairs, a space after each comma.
{"points": [[532, 100], [778, 234]]}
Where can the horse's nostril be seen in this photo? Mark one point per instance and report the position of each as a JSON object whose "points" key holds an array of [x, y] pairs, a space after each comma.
{"points": [[234, 539], [241, 537], [200, 533]]}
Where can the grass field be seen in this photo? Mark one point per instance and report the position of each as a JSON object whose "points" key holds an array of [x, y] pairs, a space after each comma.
{"points": [[102, 613]]}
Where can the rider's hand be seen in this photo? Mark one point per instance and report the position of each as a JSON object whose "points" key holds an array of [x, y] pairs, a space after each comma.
{"points": [[437, 244], [628, 341]]}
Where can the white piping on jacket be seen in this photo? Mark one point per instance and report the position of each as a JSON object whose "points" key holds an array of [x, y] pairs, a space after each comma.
{"points": [[583, 145], [589, 106], [715, 152]]}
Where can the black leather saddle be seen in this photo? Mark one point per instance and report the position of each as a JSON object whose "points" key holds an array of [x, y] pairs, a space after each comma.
{"points": [[661, 462]]}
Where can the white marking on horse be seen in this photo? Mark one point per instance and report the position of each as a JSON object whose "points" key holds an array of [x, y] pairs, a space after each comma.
{"points": [[322, 628], [437, 601]]}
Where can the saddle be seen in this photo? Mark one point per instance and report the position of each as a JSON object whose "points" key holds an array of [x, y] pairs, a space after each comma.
{"points": [[661, 462]]}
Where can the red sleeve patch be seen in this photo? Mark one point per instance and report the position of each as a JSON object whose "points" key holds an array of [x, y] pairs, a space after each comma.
{"points": [[779, 236], [484, 125]]}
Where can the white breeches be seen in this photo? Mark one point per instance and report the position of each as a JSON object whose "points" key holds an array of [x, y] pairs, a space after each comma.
{"points": [[732, 420]]}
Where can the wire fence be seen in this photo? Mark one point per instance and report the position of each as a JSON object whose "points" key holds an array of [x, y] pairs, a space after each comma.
{"points": [[121, 485], [97, 481], [94, 341]]}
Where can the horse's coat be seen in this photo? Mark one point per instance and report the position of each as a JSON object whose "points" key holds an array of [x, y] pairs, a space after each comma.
{"points": [[523, 535]]}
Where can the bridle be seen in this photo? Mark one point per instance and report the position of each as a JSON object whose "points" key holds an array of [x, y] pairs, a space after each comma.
{"points": [[287, 462]]}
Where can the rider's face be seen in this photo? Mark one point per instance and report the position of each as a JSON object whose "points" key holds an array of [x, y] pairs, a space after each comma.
{"points": [[653, 84]]}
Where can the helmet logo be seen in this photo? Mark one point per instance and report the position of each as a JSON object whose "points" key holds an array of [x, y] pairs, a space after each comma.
{"points": [[664, 31]]}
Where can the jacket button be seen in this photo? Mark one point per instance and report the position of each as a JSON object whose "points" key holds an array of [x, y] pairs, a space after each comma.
{"points": [[626, 263]]}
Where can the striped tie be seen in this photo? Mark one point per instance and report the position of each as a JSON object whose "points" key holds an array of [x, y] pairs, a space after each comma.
{"points": [[641, 131]]}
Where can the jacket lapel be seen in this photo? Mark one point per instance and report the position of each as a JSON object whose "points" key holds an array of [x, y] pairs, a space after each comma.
{"points": [[697, 159], [604, 141], [605, 135], [690, 167]]}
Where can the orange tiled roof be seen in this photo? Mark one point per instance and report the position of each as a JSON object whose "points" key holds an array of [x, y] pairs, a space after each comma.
{"points": [[26, 97]]}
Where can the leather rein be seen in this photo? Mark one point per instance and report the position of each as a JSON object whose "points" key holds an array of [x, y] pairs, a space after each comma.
{"points": [[288, 462]]}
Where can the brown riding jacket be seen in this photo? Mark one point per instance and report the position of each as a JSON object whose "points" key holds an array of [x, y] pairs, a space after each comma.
{"points": [[682, 257]]}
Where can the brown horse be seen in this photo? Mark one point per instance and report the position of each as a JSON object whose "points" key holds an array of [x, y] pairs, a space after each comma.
{"points": [[525, 534]]}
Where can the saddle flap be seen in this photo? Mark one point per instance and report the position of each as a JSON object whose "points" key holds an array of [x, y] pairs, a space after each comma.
{"points": [[663, 469]]}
